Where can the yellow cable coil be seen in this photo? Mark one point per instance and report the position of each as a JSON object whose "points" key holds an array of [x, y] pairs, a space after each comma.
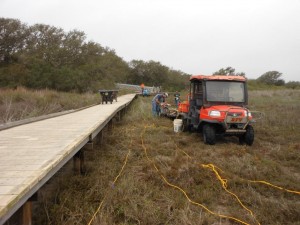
{"points": [[223, 182], [251, 181], [224, 185], [180, 189]]}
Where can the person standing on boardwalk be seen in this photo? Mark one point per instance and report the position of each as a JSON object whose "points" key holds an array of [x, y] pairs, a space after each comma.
{"points": [[156, 101]]}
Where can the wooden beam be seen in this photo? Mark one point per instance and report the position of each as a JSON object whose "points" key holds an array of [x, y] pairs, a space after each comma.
{"points": [[78, 162], [110, 125], [99, 138], [90, 144], [27, 213], [118, 116]]}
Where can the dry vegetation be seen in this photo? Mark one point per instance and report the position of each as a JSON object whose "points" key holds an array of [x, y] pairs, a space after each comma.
{"points": [[144, 173], [22, 103]]}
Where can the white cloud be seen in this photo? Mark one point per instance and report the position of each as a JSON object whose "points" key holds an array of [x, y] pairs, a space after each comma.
{"points": [[195, 36]]}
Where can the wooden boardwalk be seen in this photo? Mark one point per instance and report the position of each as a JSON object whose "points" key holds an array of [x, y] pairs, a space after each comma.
{"points": [[32, 153]]}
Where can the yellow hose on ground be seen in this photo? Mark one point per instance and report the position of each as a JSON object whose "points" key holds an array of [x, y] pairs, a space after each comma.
{"points": [[115, 180], [181, 190]]}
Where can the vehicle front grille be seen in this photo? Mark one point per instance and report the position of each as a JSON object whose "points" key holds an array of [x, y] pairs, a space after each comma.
{"points": [[233, 114]]}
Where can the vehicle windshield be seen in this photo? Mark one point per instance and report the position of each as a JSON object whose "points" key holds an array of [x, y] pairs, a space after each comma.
{"points": [[225, 91]]}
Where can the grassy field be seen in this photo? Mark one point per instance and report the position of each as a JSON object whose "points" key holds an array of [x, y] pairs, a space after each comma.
{"points": [[144, 173], [21, 103]]}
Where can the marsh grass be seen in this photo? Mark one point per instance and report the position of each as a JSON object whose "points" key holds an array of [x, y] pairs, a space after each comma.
{"points": [[141, 196], [21, 103]]}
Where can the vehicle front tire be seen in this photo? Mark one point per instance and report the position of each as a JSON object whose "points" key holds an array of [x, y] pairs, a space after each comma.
{"points": [[209, 134], [185, 125], [248, 137]]}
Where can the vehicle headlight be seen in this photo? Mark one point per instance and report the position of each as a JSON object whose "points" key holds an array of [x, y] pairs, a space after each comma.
{"points": [[215, 113], [247, 113]]}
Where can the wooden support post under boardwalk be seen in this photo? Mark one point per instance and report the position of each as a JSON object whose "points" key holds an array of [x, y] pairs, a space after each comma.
{"points": [[118, 116], [23, 216], [123, 112], [100, 138], [78, 162], [90, 144], [110, 125], [27, 213]]}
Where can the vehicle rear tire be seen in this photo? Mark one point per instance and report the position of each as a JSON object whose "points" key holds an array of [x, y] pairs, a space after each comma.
{"points": [[209, 134], [248, 137], [185, 125]]}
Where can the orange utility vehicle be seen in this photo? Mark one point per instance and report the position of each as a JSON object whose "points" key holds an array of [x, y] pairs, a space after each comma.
{"points": [[217, 105]]}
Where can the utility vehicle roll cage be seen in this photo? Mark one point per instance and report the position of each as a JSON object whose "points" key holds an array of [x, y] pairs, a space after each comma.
{"points": [[202, 95]]}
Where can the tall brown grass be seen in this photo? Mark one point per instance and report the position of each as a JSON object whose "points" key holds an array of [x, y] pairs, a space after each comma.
{"points": [[22, 103]]}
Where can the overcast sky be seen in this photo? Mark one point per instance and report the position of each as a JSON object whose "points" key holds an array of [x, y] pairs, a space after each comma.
{"points": [[194, 36]]}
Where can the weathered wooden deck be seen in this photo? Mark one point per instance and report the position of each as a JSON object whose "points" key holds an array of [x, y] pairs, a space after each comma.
{"points": [[32, 153]]}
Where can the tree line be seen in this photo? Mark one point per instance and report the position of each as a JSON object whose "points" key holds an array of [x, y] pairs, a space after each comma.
{"points": [[42, 56], [273, 78]]}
